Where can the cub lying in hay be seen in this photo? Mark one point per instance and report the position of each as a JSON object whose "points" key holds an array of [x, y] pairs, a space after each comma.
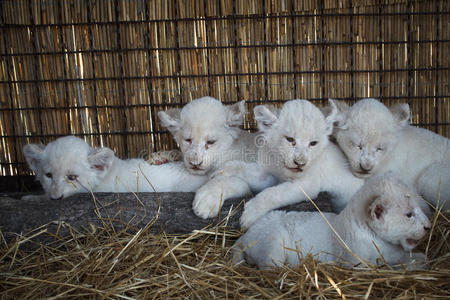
{"points": [[295, 150], [69, 165], [383, 216], [376, 140], [208, 134]]}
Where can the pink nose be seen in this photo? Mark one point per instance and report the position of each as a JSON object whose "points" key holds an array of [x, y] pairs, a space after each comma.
{"points": [[365, 168]]}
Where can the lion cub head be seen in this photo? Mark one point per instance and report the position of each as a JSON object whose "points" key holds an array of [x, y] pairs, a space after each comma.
{"points": [[393, 211], [205, 130], [68, 165], [296, 134], [367, 132]]}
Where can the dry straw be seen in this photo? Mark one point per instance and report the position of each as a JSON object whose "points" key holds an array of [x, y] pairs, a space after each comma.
{"points": [[105, 263]]}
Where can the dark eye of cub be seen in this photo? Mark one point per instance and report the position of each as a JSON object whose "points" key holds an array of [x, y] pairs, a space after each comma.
{"points": [[211, 142], [49, 175], [188, 140], [313, 143], [290, 139], [72, 177], [409, 215]]}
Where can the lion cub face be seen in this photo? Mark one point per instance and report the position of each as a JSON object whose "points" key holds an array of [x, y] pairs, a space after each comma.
{"points": [[296, 135], [68, 165], [395, 215], [367, 133], [205, 131]]}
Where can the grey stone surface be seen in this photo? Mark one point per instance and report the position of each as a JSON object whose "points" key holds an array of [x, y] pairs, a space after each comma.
{"points": [[172, 211]]}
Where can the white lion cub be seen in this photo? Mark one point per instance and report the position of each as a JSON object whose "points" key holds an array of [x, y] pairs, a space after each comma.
{"points": [[382, 216], [376, 140], [297, 151], [69, 165], [208, 134]]}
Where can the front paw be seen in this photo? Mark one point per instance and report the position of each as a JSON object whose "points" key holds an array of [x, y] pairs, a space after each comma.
{"points": [[252, 212], [207, 202]]}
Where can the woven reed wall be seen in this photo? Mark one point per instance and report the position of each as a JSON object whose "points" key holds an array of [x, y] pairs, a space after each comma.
{"points": [[102, 69]]}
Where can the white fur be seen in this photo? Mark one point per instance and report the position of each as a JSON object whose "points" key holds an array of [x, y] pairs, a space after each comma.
{"points": [[69, 165], [208, 134], [376, 140], [297, 151], [377, 214]]}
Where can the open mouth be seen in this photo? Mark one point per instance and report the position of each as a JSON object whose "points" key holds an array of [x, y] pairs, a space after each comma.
{"points": [[196, 168], [362, 173], [412, 242], [295, 170]]}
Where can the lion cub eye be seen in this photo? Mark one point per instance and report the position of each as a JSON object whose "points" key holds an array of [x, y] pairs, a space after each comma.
{"points": [[379, 149], [72, 177], [188, 141], [290, 139], [313, 143], [211, 142], [49, 175], [409, 215]]}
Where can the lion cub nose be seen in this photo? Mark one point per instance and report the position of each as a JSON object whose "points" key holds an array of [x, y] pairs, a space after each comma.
{"points": [[365, 168]]}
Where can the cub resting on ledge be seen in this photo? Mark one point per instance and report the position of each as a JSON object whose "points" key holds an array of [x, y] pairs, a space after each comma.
{"points": [[384, 212], [69, 165]]}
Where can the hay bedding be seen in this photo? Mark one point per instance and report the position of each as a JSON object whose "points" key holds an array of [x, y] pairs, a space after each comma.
{"points": [[135, 263]]}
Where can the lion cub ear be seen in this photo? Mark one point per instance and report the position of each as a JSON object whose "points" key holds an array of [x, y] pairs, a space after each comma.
{"points": [[236, 113], [101, 159], [401, 113], [170, 119], [266, 116], [377, 209], [338, 111], [33, 155]]}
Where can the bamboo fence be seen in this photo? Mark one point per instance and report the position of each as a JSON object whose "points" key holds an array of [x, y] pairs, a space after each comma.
{"points": [[102, 69]]}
